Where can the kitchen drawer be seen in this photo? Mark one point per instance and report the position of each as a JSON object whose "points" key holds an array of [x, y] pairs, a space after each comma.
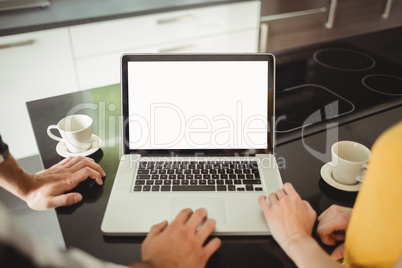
{"points": [[150, 30], [32, 66], [105, 69]]}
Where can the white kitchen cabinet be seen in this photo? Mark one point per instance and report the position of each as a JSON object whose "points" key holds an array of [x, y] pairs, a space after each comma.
{"points": [[32, 66], [97, 47]]}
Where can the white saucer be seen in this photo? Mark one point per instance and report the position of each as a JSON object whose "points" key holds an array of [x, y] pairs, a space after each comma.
{"points": [[62, 150], [326, 174]]}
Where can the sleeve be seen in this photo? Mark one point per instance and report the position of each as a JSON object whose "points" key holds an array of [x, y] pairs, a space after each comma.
{"points": [[374, 234], [22, 246]]}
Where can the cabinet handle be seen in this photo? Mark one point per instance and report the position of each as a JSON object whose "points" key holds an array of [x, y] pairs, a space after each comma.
{"points": [[178, 48], [387, 10], [293, 14], [263, 37], [17, 44], [187, 17], [331, 14]]}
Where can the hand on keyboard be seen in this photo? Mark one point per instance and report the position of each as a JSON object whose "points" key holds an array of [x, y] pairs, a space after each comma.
{"points": [[180, 244]]}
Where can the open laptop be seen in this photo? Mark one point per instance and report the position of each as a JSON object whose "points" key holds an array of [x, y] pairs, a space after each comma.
{"points": [[198, 131]]}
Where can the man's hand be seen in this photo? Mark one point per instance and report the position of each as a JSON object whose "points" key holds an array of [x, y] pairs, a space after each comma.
{"points": [[332, 226], [46, 189], [289, 217], [180, 244]]}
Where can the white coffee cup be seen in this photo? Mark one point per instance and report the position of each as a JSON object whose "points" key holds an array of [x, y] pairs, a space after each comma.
{"points": [[349, 162], [75, 131]]}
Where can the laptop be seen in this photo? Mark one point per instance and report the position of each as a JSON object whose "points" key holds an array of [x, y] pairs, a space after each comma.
{"points": [[197, 131]]}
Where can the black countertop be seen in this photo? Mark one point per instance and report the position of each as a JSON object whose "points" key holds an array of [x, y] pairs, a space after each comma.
{"points": [[297, 67], [80, 224], [300, 160], [63, 13]]}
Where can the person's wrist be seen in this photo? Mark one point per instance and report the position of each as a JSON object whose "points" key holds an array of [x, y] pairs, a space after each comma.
{"points": [[297, 242]]}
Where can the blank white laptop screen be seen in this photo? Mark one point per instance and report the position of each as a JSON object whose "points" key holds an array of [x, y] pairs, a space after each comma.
{"points": [[197, 105]]}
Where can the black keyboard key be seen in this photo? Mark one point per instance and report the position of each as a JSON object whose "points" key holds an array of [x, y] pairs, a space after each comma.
{"points": [[251, 182], [146, 188], [172, 177], [237, 181], [139, 182], [185, 182], [215, 177], [193, 188], [176, 182], [189, 177], [165, 188], [193, 182], [240, 189], [258, 188], [198, 177], [155, 188], [158, 182], [227, 182], [231, 188], [153, 171], [150, 182], [221, 188], [220, 182], [137, 188], [167, 182], [181, 177], [249, 176], [202, 182], [143, 171], [249, 187], [155, 177], [257, 175], [143, 177]]}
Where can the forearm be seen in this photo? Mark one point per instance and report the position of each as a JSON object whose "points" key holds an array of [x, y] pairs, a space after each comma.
{"points": [[13, 178], [306, 252]]}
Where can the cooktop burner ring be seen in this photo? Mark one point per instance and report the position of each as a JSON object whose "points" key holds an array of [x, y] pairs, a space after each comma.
{"points": [[357, 61], [395, 79]]}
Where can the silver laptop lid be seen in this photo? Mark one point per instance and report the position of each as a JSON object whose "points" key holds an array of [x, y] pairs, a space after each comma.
{"points": [[198, 104]]}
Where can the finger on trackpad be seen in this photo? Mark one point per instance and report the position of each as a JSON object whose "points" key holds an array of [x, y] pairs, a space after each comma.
{"points": [[214, 206]]}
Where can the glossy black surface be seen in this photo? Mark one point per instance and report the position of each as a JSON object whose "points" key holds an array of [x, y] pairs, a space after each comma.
{"points": [[80, 224], [365, 70]]}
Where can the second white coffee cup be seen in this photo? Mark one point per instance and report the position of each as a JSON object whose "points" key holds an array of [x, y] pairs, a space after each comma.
{"points": [[349, 161], [75, 131]]}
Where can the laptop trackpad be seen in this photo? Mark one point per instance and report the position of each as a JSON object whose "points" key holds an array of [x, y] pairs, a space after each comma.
{"points": [[214, 206]]}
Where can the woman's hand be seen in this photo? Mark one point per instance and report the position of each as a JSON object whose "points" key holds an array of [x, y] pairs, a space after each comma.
{"points": [[288, 217], [332, 225]]}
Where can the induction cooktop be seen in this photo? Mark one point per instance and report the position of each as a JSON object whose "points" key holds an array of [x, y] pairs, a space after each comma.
{"points": [[335, 80]]}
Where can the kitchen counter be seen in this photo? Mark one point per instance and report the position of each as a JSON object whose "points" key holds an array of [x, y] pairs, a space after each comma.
{"points": [[63, 13], [362, 73], [80, 224]]}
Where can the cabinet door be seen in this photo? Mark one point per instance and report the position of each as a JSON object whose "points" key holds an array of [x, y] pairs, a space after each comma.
{"points": [[32, 66], [392, 14], [105, 69], [301, 29], [352, 17]]}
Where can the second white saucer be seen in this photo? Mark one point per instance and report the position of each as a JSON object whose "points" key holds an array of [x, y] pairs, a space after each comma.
{"points": [[326, 174], [62, 150]]}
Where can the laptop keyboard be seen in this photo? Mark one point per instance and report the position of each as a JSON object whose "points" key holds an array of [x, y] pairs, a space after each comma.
{"points": [[166, 176]]}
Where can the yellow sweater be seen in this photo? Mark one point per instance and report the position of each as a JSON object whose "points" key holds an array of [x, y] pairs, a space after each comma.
{"points": [[374, 234]]}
